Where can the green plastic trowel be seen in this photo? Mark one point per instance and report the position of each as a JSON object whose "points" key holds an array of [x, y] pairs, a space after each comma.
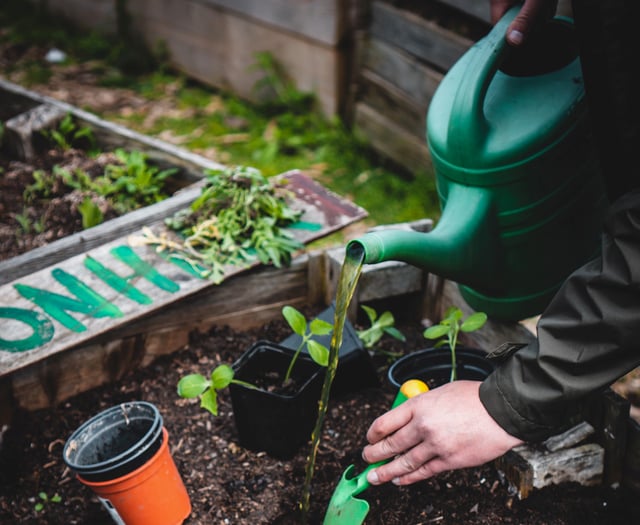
{"points": [[344, 508]]}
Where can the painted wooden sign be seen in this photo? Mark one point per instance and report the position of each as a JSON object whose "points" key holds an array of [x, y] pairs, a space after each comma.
{"points": [[91, 293]]}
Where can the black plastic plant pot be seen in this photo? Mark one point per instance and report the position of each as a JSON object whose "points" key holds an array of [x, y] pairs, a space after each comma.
{"points": [[433, 366], [114, 442], [355, 368], [271, 419]]}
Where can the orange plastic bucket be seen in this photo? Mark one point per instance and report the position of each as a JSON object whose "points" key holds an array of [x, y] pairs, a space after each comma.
{"points": [[153, 494]]}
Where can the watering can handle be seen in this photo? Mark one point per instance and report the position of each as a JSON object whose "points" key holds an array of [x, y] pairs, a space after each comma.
{"points": [[468, 126]]}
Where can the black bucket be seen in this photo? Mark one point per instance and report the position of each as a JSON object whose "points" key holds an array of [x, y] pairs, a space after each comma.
{"points": [[115, 442]]}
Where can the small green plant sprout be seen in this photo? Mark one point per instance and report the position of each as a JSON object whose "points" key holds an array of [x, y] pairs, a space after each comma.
{"points": [[69, 133], [450, 326], [45, 500], [379, 326], [318, 352], [197, 385]]}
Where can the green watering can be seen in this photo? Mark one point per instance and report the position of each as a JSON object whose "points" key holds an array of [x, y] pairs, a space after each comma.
{"points": [[520, 187]]}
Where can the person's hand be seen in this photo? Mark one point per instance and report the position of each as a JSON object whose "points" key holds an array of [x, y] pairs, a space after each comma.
{"points": [[532, 12], [444, 429]]}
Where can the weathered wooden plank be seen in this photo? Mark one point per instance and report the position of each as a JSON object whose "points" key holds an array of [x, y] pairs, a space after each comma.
{"points": [[84, 297], [322, 20], [409, 75], [19, 130], [390, 101], [571, 437], [97, 14], [528, 468], [393, 141], [421, 38], [218, 47], [614, 435], [479, 10]]}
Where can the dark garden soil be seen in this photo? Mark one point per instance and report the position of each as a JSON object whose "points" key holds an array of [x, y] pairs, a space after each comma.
{"points": [[231, 485]]}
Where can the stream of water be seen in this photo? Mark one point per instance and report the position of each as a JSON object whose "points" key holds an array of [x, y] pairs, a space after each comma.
{"points": [[349, 275]]}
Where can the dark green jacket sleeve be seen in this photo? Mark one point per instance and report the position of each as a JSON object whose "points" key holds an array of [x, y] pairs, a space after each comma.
{"points": [[588, 337]]}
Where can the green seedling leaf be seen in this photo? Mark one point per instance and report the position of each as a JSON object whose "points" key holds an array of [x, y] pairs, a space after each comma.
{"points": [[222, 376], [474, 322], [436, 331], [394, 332], [193, 385], [450, 326], [386, 320], [90, 212], [379, 326], [209, 401], [318, 352], [295, 319], [371, 313], [320, 327]]}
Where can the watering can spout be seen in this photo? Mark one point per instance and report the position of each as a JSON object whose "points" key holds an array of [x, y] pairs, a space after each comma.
{"points": [[463, 247]]}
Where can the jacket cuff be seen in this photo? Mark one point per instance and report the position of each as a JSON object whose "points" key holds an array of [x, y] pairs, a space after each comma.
{"points": [[503, 410]]}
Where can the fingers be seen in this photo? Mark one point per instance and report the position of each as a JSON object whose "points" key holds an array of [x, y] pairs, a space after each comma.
{"points": [[408, 467], [383, 429], [499, 8], [532, 13]]}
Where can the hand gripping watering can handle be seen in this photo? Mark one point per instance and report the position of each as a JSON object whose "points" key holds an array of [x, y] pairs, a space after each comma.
{"points": [[410, 388], [468, 126]]}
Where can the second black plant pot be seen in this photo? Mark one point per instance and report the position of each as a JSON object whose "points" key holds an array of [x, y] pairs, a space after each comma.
{"points": [[433, 366], [271, 419]]}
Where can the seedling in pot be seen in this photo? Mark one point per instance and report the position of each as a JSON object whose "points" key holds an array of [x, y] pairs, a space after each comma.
{"points": [[197, 385], [384, 324], [450, 326], [318, 352]]}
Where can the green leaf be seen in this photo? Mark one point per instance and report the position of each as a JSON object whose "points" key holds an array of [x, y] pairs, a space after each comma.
{"points": [[91, 214], [296, 320], [474, 322], [320, 327], [56, 498], [453, 312], [394, 332], [209, 401], [371, 313], [221, 376], [371, 336], [435, 331], [43, 496], [38, 507], [319, 353], [386, 319], [193, 385]]}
